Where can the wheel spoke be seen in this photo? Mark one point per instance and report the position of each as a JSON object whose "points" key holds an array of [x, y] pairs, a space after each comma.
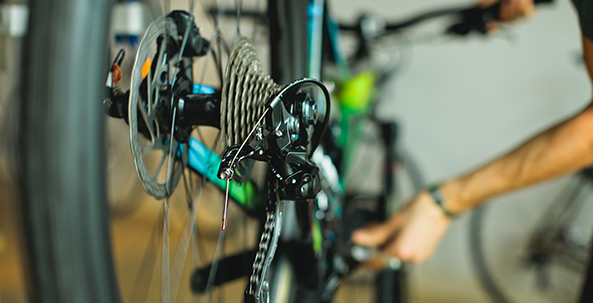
{"points": [[147, 120], [165, 262], [184, 242], [205, 67], [238, 5], [192, 6], [165, 259], [170, 163], [214, 268], [161, 60], [146, 269], [166, 6], [149, 89], [254, 32], [160, 166]]}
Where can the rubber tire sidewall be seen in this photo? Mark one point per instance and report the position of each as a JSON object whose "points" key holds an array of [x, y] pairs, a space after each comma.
{"points": [[62, 167]]}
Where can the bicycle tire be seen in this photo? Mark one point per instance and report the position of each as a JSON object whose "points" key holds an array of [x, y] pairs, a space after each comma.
{"points": [[289, 59], [61, 153], [525, 270]]}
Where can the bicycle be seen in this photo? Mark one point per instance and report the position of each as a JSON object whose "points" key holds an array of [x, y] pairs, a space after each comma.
{"points": [[281, 125], [101, 286]]}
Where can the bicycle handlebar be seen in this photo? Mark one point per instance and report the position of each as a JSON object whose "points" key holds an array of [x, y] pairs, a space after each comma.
{"points": [[476, 18], [472, 18]]}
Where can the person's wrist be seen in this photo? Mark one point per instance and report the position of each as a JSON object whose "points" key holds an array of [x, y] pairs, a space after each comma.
{"points": [[440, 200]]}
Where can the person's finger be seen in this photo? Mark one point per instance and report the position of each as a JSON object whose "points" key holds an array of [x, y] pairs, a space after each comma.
{"points": [[492, 27], [527, 7], [416, 242], [511, 10], [409, 246], [377, 235], [517, 10], [506, 9]]}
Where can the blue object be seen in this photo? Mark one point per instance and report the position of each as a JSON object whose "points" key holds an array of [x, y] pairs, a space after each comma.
{"points": [[203, 89]]}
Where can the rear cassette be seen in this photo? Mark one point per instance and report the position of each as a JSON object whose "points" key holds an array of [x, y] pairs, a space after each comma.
{"points": [[245, 92]]}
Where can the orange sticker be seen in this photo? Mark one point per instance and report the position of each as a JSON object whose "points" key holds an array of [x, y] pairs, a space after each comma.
{"points": [[146, 67], [116, 73]]}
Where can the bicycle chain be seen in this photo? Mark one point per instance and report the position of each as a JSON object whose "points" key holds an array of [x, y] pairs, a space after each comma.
{"points": [[245, 91], [258, 289]]}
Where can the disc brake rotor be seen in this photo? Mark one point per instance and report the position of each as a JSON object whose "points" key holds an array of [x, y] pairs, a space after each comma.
{"points": [[150, 90]]}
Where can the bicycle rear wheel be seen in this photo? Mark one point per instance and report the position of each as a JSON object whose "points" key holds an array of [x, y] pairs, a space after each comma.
{"points": [[62, 169]]}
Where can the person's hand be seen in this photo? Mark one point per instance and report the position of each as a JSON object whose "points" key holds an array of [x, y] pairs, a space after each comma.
{"points": [[510, 10], [412, 235]]}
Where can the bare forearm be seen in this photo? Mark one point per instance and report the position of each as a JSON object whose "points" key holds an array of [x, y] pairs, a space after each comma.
{"points": [[563, 148]]}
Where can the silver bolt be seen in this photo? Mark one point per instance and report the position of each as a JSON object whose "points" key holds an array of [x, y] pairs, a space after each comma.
{"points": [[226, 174], [279, 133]]}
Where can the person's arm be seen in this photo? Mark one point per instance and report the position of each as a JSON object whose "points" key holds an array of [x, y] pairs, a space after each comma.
{"points": [[414, 233], [562, 149]]}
